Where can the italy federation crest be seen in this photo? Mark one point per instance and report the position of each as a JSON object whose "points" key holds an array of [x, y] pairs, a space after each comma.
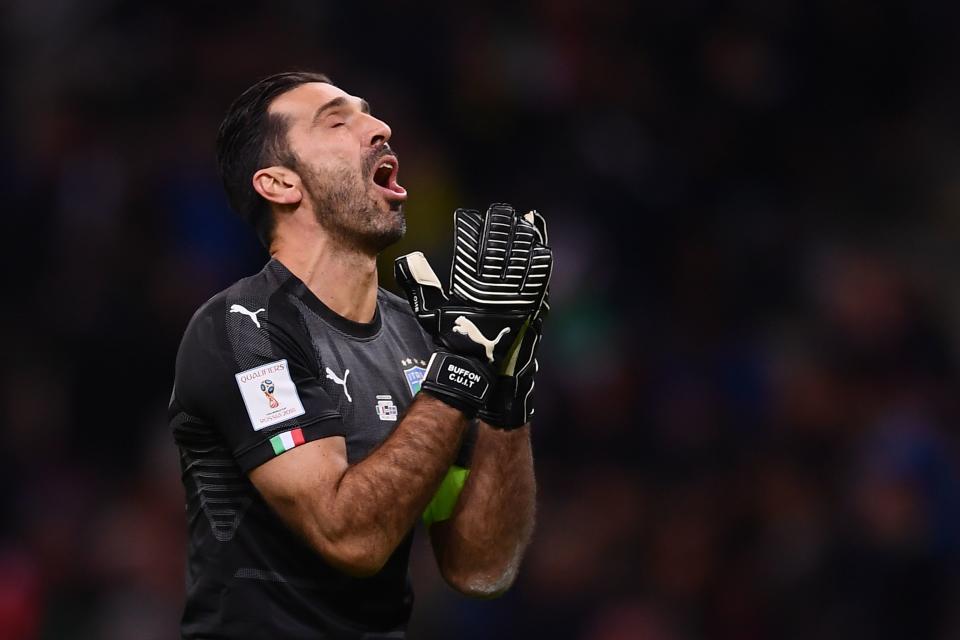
{"points": [[414, 374]]}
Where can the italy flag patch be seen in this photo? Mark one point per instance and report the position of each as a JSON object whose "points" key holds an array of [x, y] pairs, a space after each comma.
{"points": [[286, 441]]}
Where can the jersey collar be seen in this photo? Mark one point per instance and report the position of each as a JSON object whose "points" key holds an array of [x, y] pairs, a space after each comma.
{"points": [[355, 329]]}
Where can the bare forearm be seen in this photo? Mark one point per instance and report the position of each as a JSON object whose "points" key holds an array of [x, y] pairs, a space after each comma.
{"points": [[479, 549], [378, 500]]}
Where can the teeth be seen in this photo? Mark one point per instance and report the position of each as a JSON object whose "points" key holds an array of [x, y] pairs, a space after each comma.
{"points": [[387, 165]]}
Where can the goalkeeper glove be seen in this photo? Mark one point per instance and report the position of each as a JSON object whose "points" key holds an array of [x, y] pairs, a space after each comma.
{"points": [[497, 283]]}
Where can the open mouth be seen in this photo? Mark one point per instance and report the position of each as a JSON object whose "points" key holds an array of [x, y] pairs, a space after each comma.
{"points": [[385, 177]]}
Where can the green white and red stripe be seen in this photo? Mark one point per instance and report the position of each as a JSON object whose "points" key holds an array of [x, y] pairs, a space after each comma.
{"points": [[286, 441]]}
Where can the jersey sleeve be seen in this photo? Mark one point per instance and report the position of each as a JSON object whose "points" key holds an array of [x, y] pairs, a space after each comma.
{"points": [[253, 381]]}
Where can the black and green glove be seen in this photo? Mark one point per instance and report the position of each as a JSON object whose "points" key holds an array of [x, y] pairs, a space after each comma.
{"points": [[510, 402], [498, 281]]}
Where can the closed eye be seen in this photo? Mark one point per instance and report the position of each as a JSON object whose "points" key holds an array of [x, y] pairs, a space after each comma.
{"points": [[338, 124]]}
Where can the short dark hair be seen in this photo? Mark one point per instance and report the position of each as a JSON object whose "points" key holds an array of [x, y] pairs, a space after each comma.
{"points": [[249, 139]]}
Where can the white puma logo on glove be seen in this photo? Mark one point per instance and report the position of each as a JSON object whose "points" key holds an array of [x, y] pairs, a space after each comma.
{"points": [[239, 308], [464, 326], [342, 382]]}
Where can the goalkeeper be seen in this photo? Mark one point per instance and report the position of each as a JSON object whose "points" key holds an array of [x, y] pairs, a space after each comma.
{"points": [[318, 417]]}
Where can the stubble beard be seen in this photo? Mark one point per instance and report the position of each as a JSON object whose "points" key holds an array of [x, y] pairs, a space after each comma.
{"points": [[344, 206]]}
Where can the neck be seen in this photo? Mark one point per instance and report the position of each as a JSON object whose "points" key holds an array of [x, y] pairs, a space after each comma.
{"points": [[343, 278]]}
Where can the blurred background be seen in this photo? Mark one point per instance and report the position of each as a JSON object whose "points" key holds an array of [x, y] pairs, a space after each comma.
{"points": [[748, 407]]}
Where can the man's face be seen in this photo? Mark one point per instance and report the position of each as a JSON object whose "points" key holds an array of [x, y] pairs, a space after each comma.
{"points": [[348, 170]]}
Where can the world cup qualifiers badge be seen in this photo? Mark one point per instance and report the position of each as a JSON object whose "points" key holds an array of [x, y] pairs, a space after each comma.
{"points": [[267, 387]]}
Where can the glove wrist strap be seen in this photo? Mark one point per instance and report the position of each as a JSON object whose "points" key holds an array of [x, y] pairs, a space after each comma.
{"points": [[458, 381], [509, 405]]}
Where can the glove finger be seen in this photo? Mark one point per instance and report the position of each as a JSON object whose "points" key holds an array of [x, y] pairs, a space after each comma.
{"points": [[540, 223], [495, 249], [526, 237], [536, 279], [467, 232], [421, 286], [535, 218]]}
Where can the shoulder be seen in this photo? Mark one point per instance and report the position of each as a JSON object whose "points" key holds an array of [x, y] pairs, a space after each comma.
{"points": [[251, 298], [247, 312]]}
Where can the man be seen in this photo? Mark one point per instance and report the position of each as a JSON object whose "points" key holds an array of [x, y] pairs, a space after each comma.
{"points": [[317, 417]]}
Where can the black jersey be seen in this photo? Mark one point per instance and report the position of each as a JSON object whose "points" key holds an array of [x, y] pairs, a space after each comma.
{"points": [[264, 367]]}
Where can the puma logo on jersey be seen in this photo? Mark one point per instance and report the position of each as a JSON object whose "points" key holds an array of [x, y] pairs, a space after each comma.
{"points": [[464, 326], [239, 308], [342, 382]]}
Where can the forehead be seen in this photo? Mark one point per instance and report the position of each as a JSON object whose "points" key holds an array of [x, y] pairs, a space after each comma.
{"points": [[304, 100]]}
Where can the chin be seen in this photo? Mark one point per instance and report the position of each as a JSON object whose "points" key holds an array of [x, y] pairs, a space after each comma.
{"points": [[395, 233], [379, 239]]}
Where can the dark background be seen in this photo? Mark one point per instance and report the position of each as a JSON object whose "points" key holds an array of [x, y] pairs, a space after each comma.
{"points": [[748, 394]]}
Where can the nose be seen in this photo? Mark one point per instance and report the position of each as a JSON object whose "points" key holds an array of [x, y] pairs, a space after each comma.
{"points": [[379, 132]]}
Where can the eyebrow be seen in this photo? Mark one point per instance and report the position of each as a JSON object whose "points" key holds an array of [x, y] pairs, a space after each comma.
{"points": [[338, 103]]}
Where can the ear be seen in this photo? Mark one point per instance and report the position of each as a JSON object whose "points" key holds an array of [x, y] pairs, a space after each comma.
{"points": [[278, 185]]}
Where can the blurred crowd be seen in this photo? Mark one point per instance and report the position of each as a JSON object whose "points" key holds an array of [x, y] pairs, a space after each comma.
{"points": [[747, 407]]}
